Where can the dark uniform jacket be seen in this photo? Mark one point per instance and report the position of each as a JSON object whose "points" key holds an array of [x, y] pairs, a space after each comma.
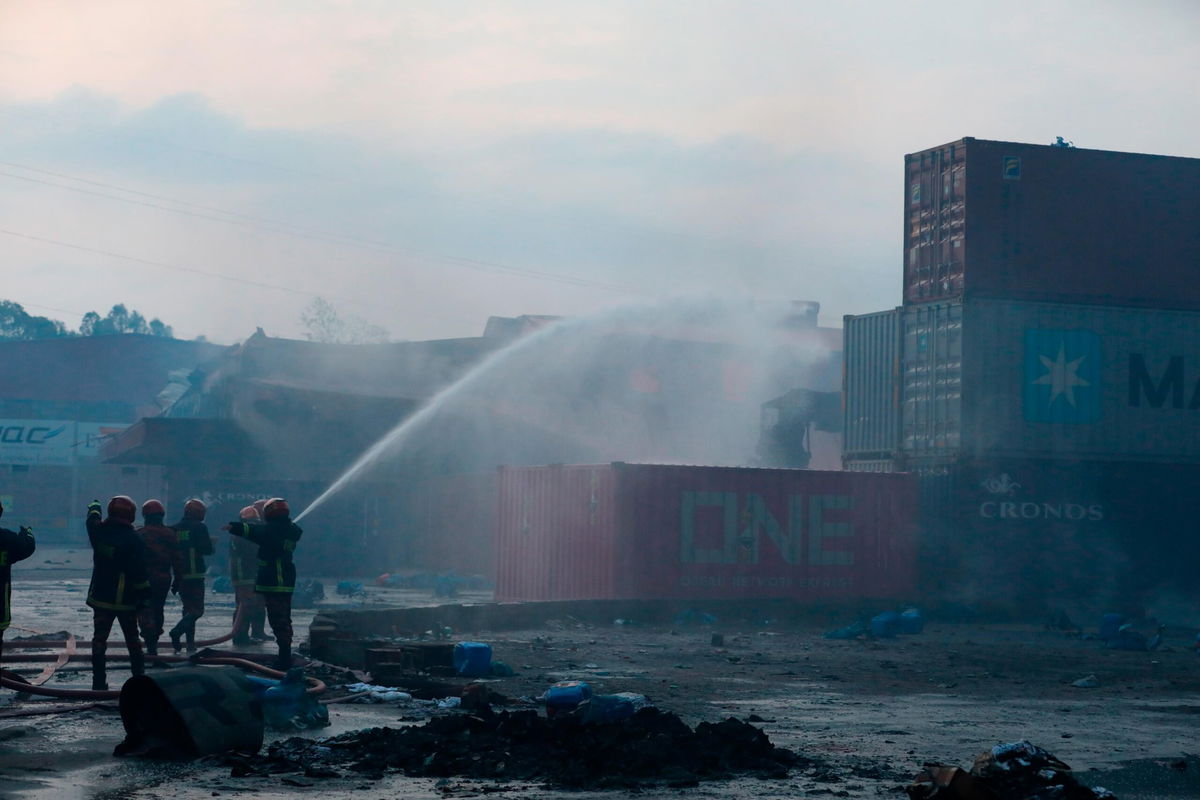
{"points": [[194, 545], [276, 540], [161, 545], [119, 580], [243, 562], [14, 546]]}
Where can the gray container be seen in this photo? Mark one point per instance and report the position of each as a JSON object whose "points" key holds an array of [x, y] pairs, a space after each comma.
{"points": [[931, 367], [871, 386], [998, 378]]}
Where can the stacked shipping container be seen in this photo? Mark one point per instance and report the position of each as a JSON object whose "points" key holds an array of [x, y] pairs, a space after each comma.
{"points": [[1044, 380]]}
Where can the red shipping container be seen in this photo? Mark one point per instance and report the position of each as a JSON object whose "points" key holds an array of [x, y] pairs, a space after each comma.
{"points": [[643, 531]]}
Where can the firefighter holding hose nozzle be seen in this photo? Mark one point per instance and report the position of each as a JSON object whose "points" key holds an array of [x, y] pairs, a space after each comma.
{"points": [[119, 585], [194, 545], [14, 546], [276, 538]]}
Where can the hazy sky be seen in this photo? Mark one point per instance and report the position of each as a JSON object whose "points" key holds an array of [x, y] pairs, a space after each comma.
{"points": [[424, 165]]}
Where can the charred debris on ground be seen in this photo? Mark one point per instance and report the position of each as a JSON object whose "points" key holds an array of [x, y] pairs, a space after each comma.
{"points": [[652, 747]]}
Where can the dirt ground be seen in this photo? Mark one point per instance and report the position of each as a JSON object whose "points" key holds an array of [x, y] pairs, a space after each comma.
{"points": [[869, 712]]}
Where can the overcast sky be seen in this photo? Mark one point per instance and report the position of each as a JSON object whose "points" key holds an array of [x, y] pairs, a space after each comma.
{"points": [[424, 165]]}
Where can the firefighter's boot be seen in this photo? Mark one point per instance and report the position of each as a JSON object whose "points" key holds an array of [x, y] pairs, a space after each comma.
{"points": [[99, 668], [284, 663], [137, 659]]}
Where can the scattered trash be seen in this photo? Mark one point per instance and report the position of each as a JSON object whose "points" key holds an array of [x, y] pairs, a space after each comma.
{"points": [[848, 632], [287, 705], [473, 659], [885, 625], [912, 621], [624, 622], [1110, 625], [1126, 638], [308, 593], [652, 746], [565, 696], [694, 617], [601, 708], [1016, 771], [502, 670], [1089, 682], [370, 693], [350, 588], [449, 702]]}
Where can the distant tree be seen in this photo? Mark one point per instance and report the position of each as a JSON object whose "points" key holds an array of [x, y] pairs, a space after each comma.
{"points": [[323, 324], [121, 320], [17, 323]]}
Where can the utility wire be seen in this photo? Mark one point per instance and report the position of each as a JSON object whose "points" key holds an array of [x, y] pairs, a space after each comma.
{"points": [[289, 229], [153, 263]]}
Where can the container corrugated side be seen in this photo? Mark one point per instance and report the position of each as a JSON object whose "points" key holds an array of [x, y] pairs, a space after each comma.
{"points": [[931, 379], [731, 533], [1074, 381], [1041, 532], [1041, 223], [871, 385], [556, 537], [678, 532]]}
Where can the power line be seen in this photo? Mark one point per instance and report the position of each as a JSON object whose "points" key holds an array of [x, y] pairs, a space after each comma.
{"points": [[153, 263], [289, 229]]}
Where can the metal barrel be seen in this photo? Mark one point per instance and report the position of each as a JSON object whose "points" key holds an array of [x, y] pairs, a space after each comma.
{"points": [[192, 711]]}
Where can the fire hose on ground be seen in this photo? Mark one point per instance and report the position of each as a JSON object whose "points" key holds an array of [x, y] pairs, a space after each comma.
{"points": [[11, 680]]}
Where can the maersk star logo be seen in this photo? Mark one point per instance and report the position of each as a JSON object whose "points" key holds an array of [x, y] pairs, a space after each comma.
{"points": [[1062, 376]]}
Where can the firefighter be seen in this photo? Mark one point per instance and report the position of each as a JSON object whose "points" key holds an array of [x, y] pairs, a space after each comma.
{"points": [[160, 544], [15, 546], [276, 538], [119, 585], [194, 544], [243, 571]]}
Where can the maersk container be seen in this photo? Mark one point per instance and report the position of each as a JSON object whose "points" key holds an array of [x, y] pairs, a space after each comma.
{"points": [[1046, 223], [996, 378], [871, 385], [1104, 534], [629, 531]]}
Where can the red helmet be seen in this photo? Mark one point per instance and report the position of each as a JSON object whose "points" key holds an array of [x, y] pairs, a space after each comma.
{"points": [[276, 508], [152, 507], [249, 513], [259, 505], [195, 509], [122, 508]]}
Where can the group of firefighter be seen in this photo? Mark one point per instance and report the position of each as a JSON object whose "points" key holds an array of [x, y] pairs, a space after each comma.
{"points": [[134, 570]]}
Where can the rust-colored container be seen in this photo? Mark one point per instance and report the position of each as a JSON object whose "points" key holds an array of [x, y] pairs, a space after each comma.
{"points": [[682, 532], [1046, 223]]}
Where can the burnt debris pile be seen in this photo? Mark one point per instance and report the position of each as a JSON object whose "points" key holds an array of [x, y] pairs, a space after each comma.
{"points": [[1016, 771], [650, 747]]}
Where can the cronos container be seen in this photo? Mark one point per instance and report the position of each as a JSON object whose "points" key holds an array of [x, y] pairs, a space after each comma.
{"points": [[685, 532], [995, 378], [1035, 222], [1114, 534]]}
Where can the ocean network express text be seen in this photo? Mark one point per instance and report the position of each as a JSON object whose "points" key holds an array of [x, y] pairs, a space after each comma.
{"points": [[746, 519]]}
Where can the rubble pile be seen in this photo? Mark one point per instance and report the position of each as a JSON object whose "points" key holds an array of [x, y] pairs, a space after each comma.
{"points": [[650, 747], [1016, 771]]}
